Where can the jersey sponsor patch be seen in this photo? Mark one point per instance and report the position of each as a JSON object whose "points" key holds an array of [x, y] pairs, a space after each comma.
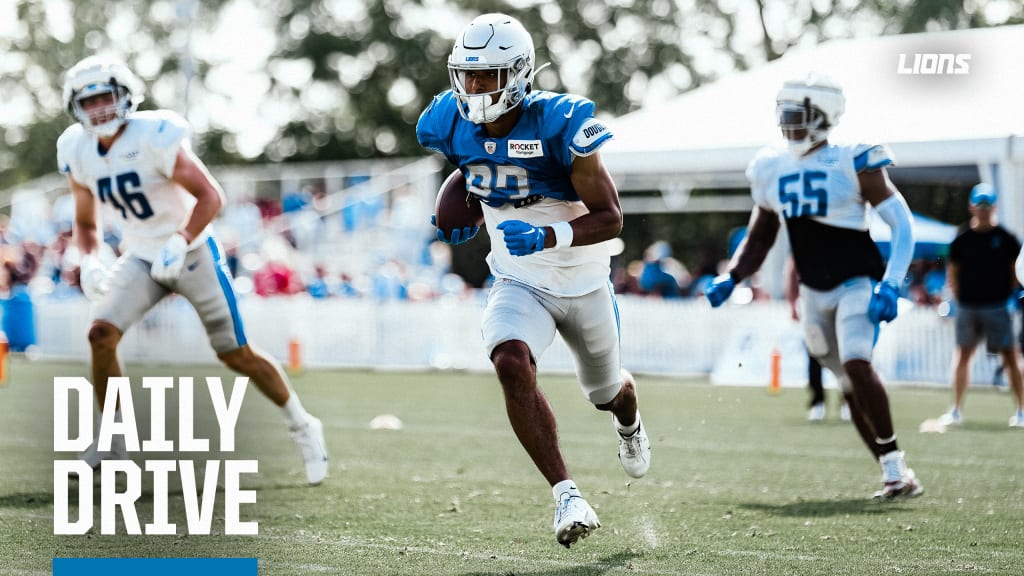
{"points": [[525, 149], [589, 133]]}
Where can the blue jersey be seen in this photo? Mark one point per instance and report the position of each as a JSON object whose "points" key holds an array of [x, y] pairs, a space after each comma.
{"points": [[533, 160], [526, 175]]}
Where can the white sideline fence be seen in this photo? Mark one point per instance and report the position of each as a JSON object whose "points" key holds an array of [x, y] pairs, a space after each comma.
{"points": [[660, 337]]}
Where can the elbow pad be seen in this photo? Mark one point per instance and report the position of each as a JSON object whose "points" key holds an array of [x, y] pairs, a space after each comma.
{"points": [[896, 214]]}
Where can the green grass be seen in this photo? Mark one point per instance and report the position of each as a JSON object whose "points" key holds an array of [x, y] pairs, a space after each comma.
{"points": [[740, 484]]}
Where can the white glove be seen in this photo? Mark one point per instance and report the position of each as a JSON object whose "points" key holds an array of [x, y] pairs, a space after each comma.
{"points": [[167, 266], [94, 277]]}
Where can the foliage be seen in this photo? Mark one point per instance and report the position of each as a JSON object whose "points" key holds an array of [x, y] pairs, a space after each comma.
{"points": [[348, 79]]}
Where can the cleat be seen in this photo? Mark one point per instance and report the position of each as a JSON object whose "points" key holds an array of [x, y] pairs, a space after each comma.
{"points": [[898, 480], [951, 418], [1017, 420], [844, 412], [816, 413], [93, 456], [310, 441], [574, 519], [635, 452]]}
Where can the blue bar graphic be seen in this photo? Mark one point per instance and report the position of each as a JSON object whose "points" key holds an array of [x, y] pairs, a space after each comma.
{"points": [[155, 566]]}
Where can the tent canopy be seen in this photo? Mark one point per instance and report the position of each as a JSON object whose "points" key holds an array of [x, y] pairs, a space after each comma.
{"points": [[705, 138], [927, 119]]}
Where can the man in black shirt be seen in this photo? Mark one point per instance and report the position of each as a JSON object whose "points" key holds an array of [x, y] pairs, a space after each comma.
{"points": [[981, 276]]}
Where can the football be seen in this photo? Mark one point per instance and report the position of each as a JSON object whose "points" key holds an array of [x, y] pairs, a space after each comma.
{"points": [[455, 207]]}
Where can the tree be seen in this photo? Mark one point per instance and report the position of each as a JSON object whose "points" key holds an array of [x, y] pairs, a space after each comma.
{"points": [[326, 80]]}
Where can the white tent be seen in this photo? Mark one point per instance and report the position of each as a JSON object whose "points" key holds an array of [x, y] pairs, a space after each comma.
{"points": [[705, 138]]}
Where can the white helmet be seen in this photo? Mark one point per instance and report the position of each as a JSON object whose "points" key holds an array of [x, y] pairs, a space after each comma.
{"points": [[97, 75], [814, 104], [492, 42]]}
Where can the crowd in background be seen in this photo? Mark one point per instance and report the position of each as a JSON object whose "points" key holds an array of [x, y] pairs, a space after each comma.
{"points": [[367, 249]]}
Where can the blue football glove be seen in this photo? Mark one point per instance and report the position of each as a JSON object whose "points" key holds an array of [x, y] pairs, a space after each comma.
{"points": [[459, 235], [522, 238], [719, 289], [882, 307]]}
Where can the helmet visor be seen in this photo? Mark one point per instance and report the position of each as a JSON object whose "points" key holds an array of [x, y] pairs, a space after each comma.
{"points": [[792, 116]]}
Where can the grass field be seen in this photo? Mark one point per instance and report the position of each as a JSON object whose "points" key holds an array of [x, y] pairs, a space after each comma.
{"points": [[740, 484]]}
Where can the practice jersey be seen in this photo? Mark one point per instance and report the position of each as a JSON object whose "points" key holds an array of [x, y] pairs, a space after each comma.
{"points": [[526, 176], [818, 197], [133, 178]]}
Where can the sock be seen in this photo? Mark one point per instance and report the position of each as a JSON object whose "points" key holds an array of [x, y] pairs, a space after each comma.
{"points": [[886, 445], [628, 430], [563, 487], [293, 411]]}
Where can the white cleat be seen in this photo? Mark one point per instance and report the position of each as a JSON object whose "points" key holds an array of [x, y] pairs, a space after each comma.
{"points": [[951, 418], [635, 452], [844, 412], [898, 481], [93, 455], [816, 413], [310, 441], [574, 519], [1017, 420]]}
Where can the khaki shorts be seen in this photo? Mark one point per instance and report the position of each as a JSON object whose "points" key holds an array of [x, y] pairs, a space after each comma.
{"points": [[589, 324], [993, 323], [205, 281]]}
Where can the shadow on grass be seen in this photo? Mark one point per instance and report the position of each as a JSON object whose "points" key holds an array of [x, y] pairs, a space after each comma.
{"points": [[820, 508], [620, 560], [26, 500]]}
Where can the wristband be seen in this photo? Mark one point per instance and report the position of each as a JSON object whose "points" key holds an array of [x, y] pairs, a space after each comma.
{"points": [[563, 234]]}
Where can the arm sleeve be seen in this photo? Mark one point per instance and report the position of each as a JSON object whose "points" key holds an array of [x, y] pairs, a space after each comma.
{"points": [[896, 214]]}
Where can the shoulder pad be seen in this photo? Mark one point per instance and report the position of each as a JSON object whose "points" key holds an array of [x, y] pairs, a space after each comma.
{"points": [[759, 163], [590, 136], [871, 157], [166, 129], [66, 145], [435, 122]]}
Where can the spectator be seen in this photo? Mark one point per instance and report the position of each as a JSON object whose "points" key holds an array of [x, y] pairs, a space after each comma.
{"points": [[663, 275], [981, 280]]}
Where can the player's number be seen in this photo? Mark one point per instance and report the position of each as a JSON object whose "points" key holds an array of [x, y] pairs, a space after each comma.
{"points": [[498, 184], [803, 194], [129, 188]]}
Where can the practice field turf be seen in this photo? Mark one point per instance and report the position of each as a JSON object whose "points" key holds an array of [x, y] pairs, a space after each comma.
{"points": [[740, 484]]}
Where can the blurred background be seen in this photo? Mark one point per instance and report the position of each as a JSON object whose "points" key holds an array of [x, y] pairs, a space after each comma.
{"points": [[305, 111]]}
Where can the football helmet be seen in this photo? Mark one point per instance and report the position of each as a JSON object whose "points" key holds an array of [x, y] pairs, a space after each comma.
{"points": [[813, 103], [97, 75], [492, 42]]}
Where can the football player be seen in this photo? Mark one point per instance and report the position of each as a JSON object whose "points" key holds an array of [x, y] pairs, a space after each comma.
{"points": [[532, 159], [823, 193], [141, 167]]}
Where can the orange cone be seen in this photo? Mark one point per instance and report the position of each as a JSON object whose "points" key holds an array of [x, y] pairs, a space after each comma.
{"points": [[294, 355], [775, 384]]}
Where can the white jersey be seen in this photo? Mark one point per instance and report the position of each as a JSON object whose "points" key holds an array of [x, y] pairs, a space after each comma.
{"points": [[818, 197], [133, 178]]}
